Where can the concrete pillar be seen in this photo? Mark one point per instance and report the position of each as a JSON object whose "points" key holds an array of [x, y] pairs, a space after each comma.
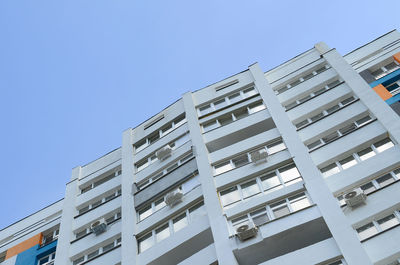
{"points": [[338, 224], [129, 246], [379, 108], [67, 219], [215, 215]]}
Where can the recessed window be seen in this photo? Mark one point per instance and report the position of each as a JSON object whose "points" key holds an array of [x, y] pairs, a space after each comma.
{"points": [[330, 170], [299, 201], [383, 145], [270, 181], [366, 231], [230, 196], [348, 162], [388, 222], [385, 180], [280, 209], [366, 153], [145, 242], [259, 217], [250, 188], [162, 232], [180, 222], [289, 173], [368, 188]]}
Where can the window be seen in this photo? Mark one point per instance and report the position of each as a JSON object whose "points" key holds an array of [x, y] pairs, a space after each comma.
{"points": [[172, 226], [233, 116], [95, 253], [301, 79], [245, 158], [346, 129], [145, 162], [356, 157], [394, 88], [385, 70], [100, 180], [317, 91], [299, 201], [153, 137], [99, 202], [48, 260], [159, 202], [376, 184], [264, 183], [280, 209]]}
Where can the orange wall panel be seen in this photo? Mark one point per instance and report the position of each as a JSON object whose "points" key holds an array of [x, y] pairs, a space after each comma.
{"points": [[21, 247], [397, 57], [382, 92]]}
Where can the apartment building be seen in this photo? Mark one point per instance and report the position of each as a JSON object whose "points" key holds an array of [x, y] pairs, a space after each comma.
{"points": [[296, 165]]}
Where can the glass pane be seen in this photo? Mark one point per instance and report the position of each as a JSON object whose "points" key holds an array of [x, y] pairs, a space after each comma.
{"points": [[388, 221], [330, 170], [281, 211], [259, 217], [363, 121], [249, 189], [348, 162], [276, 147], [332, 109], [241, 113], [295, 83], [317, 117], [304, 99], [240, 160], [210, 125], [348, 128], [229, 196], [289, 173], [334, 83], [190, 184], [249, 92], [145, 242], [368, 188], [93, 254], [154, 137], [366, 231], [166, 129], [308, 76], [145, 212], [205, 109], [319, 91], [391, 67], [160, 203], [299, 201], [366, 153], [239, 221], [79, 260], [383, 145], [223, 167], [255, 107], [397, 173], [179, 121], [220, 103], [291, 105], [378, 73], [234, 98], [140, 145], [385, 180], [314, 144], [108, 247], [226, 119], [197, 211], [162, 232], [269, 181], [180, 222], [329, 138], [301, 124], [347, 100], [320, 70]]}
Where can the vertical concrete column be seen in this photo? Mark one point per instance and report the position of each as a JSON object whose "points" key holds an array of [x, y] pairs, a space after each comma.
{"points": [[340, 228], [215, 215], [67, 219], [379, 108], [129, 246]]}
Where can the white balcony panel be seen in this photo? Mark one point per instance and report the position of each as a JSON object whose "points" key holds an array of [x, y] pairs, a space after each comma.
{"points": [[205, 256], [161, 142], [364, 171], [110, 258], [318, 102], [160, 164], [97, 191], [385, 199], [237, 125], [251, 170], [90, 241], [97, 213], [306, 87], [244, 145], [316, 253], [262, 199], [167, 212], [315, 130], [185, 235], [347, 142], [382, 246]]}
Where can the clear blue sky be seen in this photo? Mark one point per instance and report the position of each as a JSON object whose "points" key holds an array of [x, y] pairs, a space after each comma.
{"points": [[74, 74]]}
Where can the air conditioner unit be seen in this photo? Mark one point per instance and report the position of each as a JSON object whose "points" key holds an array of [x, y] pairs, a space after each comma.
{"points": [[164, 152], [259, 156], [99, 226], [355, 197], [246, 231], [173, 198]]}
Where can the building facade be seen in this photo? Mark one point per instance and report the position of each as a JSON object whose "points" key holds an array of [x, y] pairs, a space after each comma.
{"points": [[296, 165]]}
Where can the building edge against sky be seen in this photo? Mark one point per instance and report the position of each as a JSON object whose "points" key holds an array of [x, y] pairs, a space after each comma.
{"points": [[296, 165]]}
